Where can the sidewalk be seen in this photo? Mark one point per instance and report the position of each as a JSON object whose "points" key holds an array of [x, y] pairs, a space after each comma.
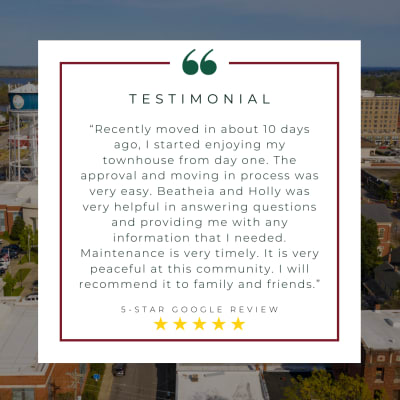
{"points": [[106, 384]]}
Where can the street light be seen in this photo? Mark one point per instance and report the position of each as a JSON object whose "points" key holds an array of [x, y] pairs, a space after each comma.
{"points": [[29, 248]]}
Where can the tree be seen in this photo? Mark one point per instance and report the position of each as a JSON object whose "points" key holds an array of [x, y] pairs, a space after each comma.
{"points": [[9, 284], [389, 195], [321, 385], [28, 238], [369, 246], [395, 182], [384, 192], [17, 228], [394, 302]]}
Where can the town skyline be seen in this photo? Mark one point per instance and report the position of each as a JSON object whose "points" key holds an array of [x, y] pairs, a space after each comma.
{"points": [[23, 23]]}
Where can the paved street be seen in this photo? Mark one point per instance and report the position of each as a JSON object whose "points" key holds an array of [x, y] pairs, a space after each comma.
{"points": [[139, 383], [145, 382]]}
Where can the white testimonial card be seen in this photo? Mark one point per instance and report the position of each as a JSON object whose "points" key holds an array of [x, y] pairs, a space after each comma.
{"points": [[199, 201]]}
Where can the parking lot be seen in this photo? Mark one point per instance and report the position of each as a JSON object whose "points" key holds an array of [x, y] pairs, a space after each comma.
{"points": [[29, 280]]}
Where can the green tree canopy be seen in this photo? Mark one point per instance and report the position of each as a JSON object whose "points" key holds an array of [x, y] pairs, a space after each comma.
{"points": [[17, 228], [369, 246], [321, 385], [23, 238]]}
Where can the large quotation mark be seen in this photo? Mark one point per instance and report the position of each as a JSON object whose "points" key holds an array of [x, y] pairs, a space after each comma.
{"points": [[191, 67]]}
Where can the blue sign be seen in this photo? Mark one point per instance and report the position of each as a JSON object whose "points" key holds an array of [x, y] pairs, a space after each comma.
{"points": [[96, 377]]}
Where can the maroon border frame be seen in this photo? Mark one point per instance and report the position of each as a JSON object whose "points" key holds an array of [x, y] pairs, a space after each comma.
{"points": [[61, 339]]}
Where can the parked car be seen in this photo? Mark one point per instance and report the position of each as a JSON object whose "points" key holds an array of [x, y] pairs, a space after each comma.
{"points": [[13, 254], [2, 271], [4, 264], [12, 247], [119, 369], [5, 250], [34, 296], [15, 247]]}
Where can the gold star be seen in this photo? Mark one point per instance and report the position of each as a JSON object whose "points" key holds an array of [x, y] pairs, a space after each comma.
{"points": [[218, 324], [238, 324], [161, 324], [199, 324], [180, 324]]}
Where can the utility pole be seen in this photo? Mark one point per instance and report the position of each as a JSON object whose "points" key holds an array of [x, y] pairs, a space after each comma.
{"points": [[54, 389], [76, 379], [29, 248]]}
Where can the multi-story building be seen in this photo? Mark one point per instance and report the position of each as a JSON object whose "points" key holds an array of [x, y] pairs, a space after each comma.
{"points": [[381, 351], [379, 118], [22, 377]]}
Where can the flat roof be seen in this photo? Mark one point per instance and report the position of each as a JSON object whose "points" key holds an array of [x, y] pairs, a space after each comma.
{"points": [[380, 329], [19, 339], [215, 367], [19, 193], [28, 88], [219, 385]]}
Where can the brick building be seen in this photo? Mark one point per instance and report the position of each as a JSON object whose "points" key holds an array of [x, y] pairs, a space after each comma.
{"points": [[22, 377], [18, 199], [381, 351], [381, 215], [379, 118]]}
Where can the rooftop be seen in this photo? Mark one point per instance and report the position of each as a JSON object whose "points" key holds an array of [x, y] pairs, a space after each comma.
{"points": [[19, 193], [380, 329], [377, 212], [388, 275], [215, 367], [218, 382], [28, 88], [19, 339]]}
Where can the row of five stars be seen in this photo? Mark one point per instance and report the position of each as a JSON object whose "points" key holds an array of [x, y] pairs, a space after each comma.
{"points": [[199, 324]]}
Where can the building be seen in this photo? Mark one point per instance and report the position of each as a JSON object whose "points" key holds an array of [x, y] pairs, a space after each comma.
{"points": [[379, 118], [367, 149], [395, 257], [381, 351], [381, 215], [387, 276], [18, 199], [22, 377], [219, 382]]}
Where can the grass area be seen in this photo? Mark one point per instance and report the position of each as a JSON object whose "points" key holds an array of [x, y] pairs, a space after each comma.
{"points": [[9, 288], [17, 291], [22, 274], [92, 388], [25, 258]]}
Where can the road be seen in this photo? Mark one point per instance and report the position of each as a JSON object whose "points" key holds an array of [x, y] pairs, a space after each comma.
{"points": [[144, 382]]}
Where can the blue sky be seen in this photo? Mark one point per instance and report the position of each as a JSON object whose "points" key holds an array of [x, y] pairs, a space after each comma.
{"points": [[375, 22]]}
